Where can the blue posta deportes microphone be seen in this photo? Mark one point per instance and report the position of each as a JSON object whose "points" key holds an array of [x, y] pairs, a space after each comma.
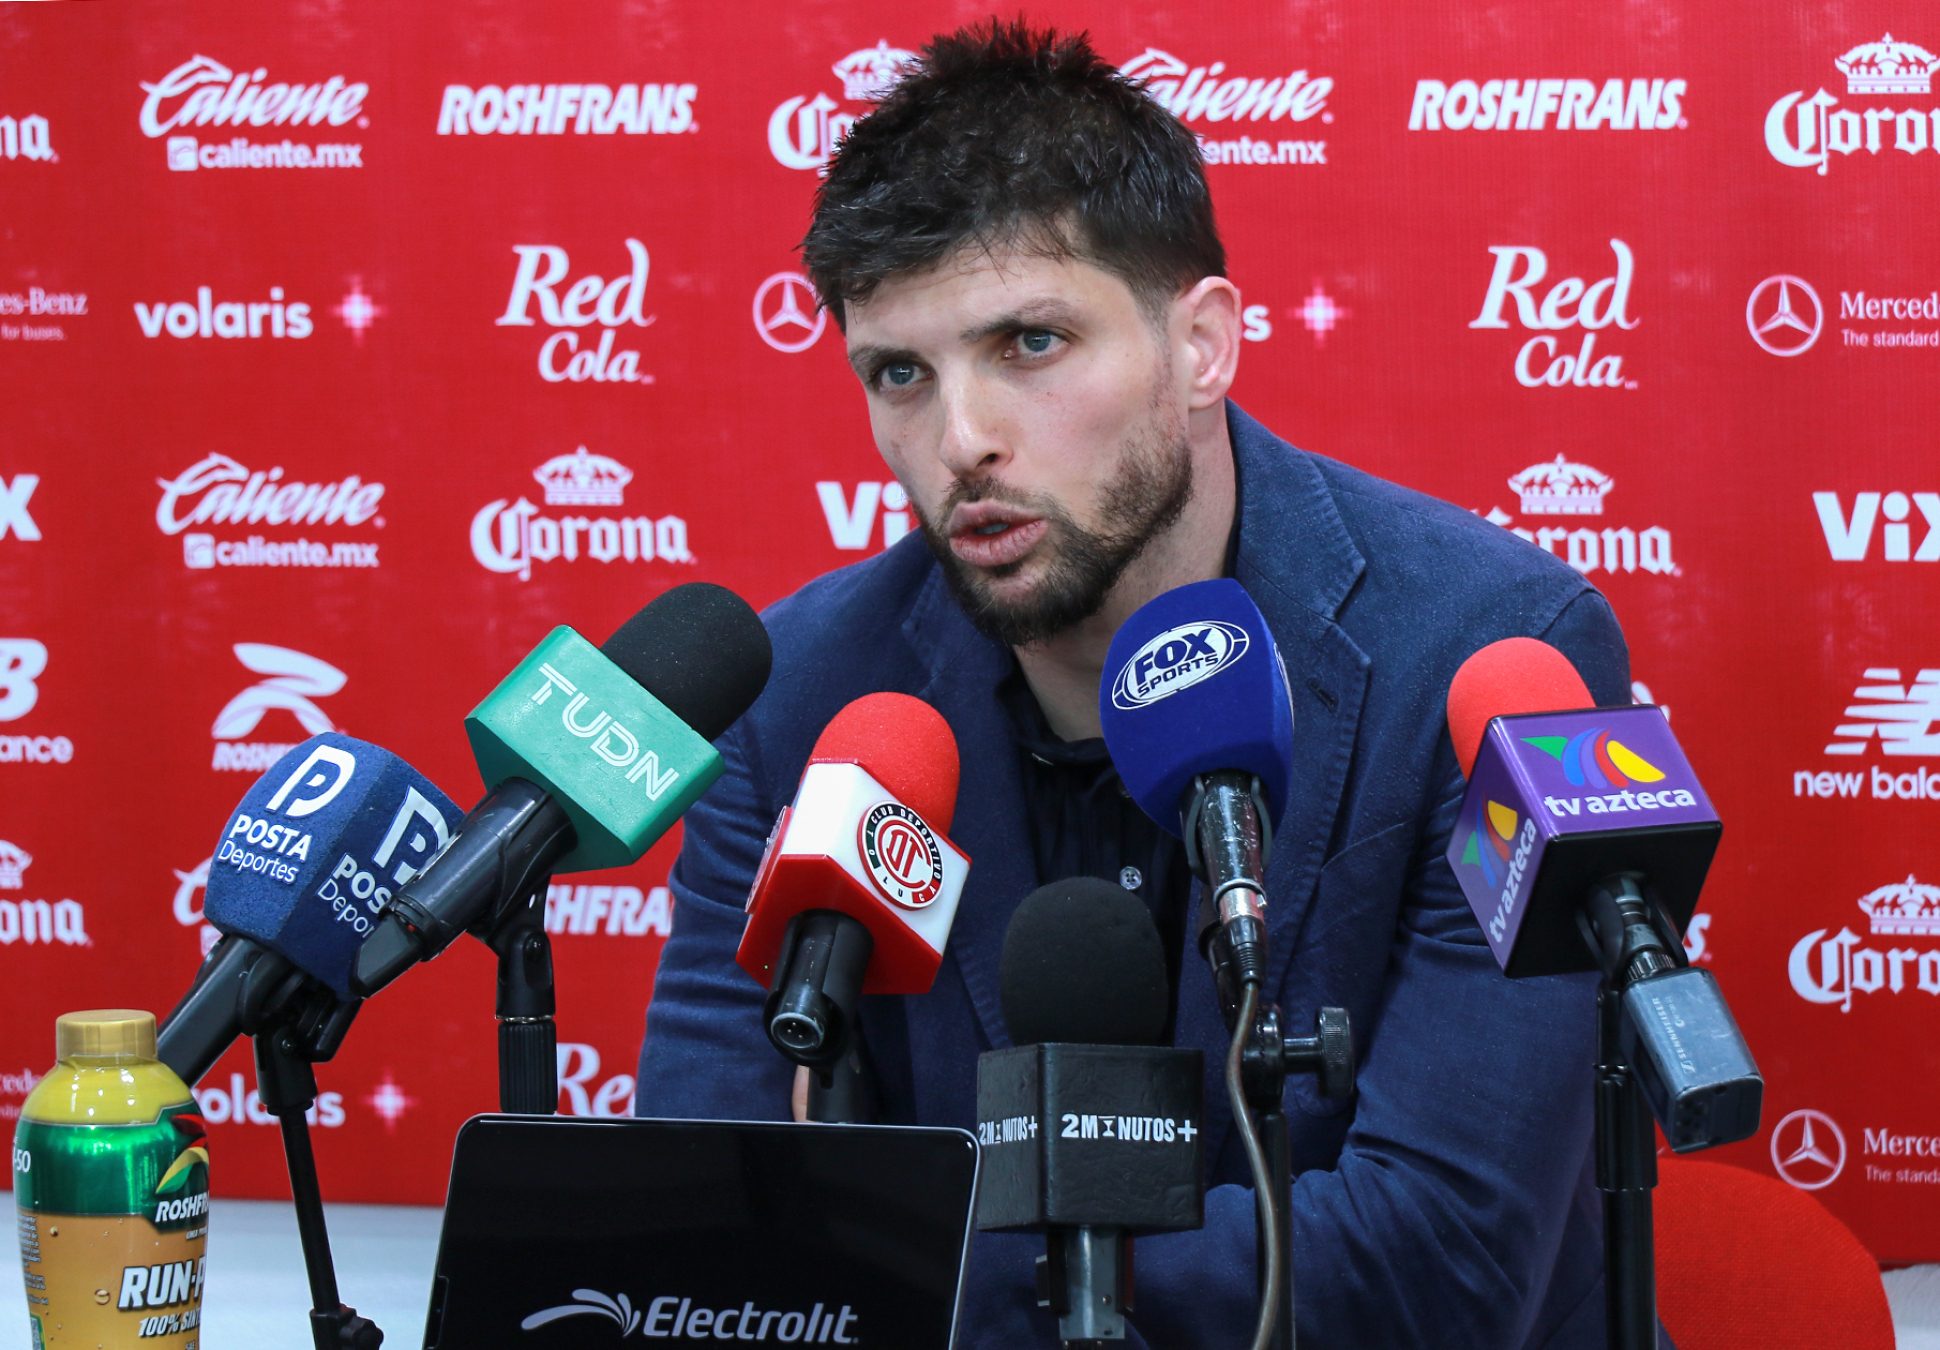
{"points": [[1199, 722], [306, 862]]}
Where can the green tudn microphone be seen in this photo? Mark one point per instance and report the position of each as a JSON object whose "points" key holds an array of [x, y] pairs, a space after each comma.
{"points": [[589, 755]]}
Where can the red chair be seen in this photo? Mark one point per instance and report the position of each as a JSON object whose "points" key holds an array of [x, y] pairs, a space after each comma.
{"points": [[1745, 1260]]}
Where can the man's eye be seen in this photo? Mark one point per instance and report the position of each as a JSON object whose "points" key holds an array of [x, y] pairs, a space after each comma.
{"points": [[899, 374], [1037, 341]]}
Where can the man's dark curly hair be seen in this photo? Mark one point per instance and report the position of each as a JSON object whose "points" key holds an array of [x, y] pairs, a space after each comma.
{"points": [[1003, 135]]}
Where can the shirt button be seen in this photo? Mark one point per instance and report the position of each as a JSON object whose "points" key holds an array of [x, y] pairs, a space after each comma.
{"points": [[1130, 878]]}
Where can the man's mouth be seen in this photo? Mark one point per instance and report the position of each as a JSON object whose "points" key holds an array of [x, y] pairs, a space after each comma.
{"points": [[991, 534]]}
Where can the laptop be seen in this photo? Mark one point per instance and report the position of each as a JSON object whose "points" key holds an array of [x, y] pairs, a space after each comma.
{"points": [[562, 1233]]}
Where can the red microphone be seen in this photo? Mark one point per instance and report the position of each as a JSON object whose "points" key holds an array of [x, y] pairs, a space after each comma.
{"points": [[858, 887], [1506, 678]]}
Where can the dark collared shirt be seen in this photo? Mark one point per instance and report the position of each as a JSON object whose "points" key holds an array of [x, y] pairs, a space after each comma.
{"points": [[1084, 824]]}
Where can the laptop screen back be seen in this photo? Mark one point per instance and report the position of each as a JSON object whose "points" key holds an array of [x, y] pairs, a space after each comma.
{"points": [[565, 1233]]}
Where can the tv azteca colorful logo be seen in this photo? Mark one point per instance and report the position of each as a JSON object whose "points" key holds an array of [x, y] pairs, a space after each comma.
{"points": [[1495, 830], [1594, 759]]}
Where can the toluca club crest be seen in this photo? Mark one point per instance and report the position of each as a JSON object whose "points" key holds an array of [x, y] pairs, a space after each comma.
{"points": [[902, 855]]}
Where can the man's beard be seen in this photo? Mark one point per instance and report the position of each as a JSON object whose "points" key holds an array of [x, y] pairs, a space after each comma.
{"points": [[1149, 493]]}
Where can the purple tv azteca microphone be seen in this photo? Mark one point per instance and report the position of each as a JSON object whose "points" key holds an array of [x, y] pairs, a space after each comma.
{"points": [[1582, 843]]}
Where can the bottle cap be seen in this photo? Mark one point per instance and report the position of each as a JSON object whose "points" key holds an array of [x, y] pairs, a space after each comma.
{"points": [[105, 1033]]}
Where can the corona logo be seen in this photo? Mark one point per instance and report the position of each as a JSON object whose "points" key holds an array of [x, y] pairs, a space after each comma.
{"points": [[511, 536], [803, 131], [868, 74], [1888, 67], [1804, 133], [580, 479], [1904, 909], [1561, 489], [14, 862]]}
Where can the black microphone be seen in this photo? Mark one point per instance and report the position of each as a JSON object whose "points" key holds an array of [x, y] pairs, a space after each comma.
{"points": [[1091, 1129], [589, 755]]}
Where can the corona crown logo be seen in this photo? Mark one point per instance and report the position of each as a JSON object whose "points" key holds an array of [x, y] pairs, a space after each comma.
{"points": [[870, 73], [1593, 758], [1888, 67], [580, 479], [1561, 489], [1905, 909]]}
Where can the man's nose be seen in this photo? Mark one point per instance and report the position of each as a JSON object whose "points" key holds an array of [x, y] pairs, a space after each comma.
{"points": [[976, 439]]}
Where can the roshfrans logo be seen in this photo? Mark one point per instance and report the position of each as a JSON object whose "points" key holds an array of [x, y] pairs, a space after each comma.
{"points": [[803, 131], [1177, 659], [1897, 912], [901, 853], [1562, 487], [1802, 133], [669, 1315], [552, 109], [1525, 105], [1568, 304], [295, 679], [510, 536]]}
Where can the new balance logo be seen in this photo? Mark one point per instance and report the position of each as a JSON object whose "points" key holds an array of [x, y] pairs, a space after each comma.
{"points": [[1900, 717]]}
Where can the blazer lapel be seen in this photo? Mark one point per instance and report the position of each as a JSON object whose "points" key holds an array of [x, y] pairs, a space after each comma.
{"points": [[1298, 562]]}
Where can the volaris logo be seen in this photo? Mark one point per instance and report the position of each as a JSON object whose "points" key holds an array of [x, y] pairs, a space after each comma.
{"points": [[1177, 659], [1594, 758], [1495, 830]]}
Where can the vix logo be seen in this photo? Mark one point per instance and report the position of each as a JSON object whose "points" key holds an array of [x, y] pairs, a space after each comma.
{"points": [[1594, 759], [609, 740], [1177, 659], [13, 507], [1849, 536]]}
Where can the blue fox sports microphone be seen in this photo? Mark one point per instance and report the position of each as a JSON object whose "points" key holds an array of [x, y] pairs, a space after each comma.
{"points": [[306, 862], [1199, 722]]}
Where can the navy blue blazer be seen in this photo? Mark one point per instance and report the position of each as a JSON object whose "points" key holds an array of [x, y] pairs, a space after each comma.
{"points": [[1451, 1202]]}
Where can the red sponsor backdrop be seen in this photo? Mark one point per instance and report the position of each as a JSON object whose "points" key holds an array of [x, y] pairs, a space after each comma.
{"points": [[306, 313]]}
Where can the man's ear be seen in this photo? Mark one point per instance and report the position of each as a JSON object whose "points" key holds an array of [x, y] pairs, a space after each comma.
{"points": [[1208, 328]]}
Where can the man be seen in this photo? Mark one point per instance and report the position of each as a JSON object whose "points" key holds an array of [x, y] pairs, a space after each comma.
{"points": [[1020, 249]]}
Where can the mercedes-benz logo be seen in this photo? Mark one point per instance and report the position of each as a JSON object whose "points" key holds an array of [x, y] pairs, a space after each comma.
{"points": [[1775, 316], [786, 313], [1809, 1150]]}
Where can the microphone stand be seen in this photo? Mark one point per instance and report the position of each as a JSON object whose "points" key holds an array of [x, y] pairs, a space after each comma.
{"points": [[1632, 941], [1228, 836], [286, 1081], [296, 1023], [528, 1039]]}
